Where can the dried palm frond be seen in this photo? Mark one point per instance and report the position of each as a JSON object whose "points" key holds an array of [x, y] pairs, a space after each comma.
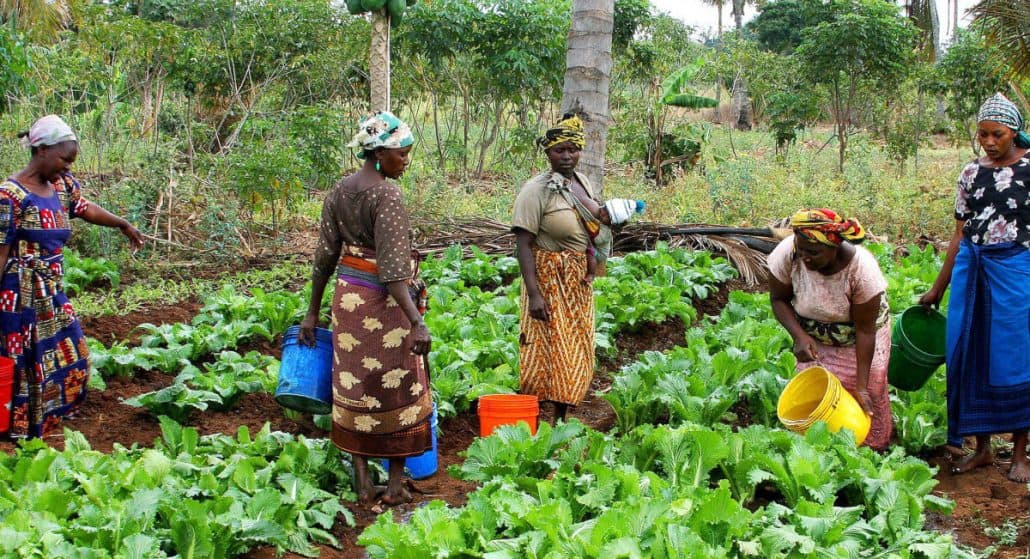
{"points": [[41, 20], [744, 247], [1007, 23]]}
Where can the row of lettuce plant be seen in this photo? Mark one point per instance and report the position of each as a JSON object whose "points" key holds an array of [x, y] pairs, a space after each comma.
{"points": [[476, 331], [676, 491], [674, 480], [473, 316], [741, 354], [81, 272], [744, 355], [188, 496], [217, 386]]}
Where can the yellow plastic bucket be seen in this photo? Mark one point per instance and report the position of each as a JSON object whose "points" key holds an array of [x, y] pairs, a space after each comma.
{"points": [[816, 394]]}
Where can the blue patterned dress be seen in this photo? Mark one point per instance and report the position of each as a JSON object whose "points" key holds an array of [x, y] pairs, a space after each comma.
{"points": [[38, 328]]}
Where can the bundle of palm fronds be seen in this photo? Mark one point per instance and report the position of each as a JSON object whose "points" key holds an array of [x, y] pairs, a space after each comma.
{"points": [[744, 247]]}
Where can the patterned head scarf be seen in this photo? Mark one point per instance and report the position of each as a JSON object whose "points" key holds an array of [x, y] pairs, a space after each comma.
{"points": [[621, 209], [381, 130], [826, 227], [568, 129], [999, 109], [48, 131]]}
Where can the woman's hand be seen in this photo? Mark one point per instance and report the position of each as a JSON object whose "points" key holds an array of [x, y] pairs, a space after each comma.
{"points": [[538, 308], [932, 298], [422, 341], [804, 349], [306, 335], [133, 234], [864, 400]]}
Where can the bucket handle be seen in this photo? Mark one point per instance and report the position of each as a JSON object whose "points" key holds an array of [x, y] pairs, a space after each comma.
{"points": [[425, 363]]}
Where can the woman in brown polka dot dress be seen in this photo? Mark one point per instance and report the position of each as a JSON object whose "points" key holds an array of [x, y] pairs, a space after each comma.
{"points": [[381, 397]]}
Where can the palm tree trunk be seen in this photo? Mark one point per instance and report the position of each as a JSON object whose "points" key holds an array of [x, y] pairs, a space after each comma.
{"points": [[741, 103], [954, 18], [718, 79], [379, 62], [587, 78], [738, 13]]}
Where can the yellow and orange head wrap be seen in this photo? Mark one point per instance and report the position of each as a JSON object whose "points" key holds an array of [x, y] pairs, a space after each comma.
{"points": [[568, 129], [826, 227]]}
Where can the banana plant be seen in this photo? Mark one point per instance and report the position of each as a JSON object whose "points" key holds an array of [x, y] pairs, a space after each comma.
{"points": [[666, 148], [677, 91]]}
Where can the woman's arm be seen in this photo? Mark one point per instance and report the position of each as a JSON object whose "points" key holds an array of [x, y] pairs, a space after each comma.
{"points": [[527, 266], [5, 251], [327, 253], [864, 316], [780, 295], [310, 321], [940, 285], [97, 215]]}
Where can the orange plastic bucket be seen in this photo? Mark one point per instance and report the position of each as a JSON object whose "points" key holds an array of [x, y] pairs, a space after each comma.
{"points": [[507, 409], [6, 392]]}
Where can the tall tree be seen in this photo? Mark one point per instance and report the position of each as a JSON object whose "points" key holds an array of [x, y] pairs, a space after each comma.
{"points": [[587, 79], [862, 51], [741, 103], [737, 9], [379, 62], [954, 18], [923, 14], [718, 4]]}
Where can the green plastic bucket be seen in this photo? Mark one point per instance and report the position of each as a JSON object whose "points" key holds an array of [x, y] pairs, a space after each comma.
{"points": [[918, 341]]}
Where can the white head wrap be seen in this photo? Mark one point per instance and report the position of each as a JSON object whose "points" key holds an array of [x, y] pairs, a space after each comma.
{"points": [[621, 209], [382, 130], [48, 131]]}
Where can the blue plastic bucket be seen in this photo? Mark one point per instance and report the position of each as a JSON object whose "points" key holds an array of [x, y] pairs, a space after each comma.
{"points": [[305, 373], [423, 465]]}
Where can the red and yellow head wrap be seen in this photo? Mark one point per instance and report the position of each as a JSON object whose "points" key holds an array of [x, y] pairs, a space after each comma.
{"points": [[826, 227]]}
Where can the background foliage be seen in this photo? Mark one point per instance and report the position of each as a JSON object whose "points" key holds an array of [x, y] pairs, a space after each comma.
{"points": [[216, 124]]}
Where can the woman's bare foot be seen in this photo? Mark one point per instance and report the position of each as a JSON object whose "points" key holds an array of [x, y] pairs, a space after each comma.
{"points": [[1020, 471], [392, 499], [972, 462], [956, 451], [368, 495]]}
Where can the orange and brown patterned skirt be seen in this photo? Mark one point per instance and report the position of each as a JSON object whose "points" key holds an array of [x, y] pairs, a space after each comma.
{"points": [[381, 397], [557, 357]]}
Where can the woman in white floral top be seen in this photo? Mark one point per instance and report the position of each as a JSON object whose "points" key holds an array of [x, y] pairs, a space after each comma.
{"points": [[988, 266]]}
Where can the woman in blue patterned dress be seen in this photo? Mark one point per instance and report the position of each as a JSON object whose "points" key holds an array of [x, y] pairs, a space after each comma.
{"points": [[38, 328], [988, 265]]}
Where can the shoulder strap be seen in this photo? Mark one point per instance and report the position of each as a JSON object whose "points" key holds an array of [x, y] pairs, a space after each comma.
{"points": [[587, 219]]}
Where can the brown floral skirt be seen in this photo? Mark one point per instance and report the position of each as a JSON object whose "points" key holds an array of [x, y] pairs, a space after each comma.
{"points": [[381, 397]]}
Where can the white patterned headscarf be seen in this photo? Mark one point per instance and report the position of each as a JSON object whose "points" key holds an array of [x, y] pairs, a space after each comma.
{"points": [[48, 131], [382, 130], [999, 109]]}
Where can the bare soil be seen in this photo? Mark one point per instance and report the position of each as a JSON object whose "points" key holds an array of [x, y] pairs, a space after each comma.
{"points": [[984, 498]]}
